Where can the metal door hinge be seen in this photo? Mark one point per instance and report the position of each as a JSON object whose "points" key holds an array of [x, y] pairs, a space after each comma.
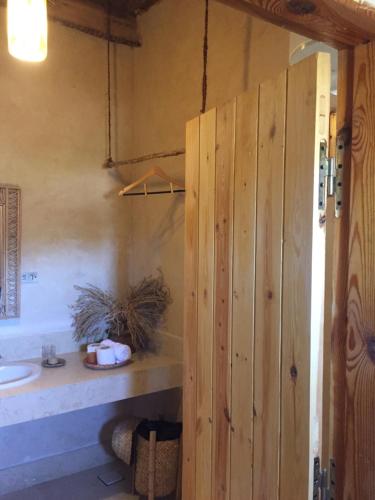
{"points": [[324, 483], [331, 175]]}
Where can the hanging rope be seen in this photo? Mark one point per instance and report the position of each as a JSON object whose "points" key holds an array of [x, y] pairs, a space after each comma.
{"points": [[205, 60], [109, 159], [109, 162]]}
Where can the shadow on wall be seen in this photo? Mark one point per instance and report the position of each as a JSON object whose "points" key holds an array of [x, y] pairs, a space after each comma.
{"points": [[172, 220]]}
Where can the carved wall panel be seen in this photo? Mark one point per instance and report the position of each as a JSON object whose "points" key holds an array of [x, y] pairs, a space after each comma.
{"points": [[10, 251]]}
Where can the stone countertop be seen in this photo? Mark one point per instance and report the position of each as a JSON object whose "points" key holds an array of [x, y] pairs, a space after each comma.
{"points": [[74, 387]]}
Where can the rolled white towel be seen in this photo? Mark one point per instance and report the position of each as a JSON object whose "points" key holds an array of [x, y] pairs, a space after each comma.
{"points": [[122, 352], [106, 355]]}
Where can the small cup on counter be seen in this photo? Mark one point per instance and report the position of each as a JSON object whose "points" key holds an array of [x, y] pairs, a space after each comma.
{"points": [[49, 354]]}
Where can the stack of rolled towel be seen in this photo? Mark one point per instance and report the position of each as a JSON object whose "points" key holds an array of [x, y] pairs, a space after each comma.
{"points": [[108, 353]]}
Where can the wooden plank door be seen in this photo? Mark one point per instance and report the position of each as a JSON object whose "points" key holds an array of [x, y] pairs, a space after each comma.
{"points": [[303, 277], [254, 291]]}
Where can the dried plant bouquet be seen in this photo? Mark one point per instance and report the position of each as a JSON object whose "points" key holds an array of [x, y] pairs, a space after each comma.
{"points": [[98, 315]]}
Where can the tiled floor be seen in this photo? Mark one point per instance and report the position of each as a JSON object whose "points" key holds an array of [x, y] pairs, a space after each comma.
{"points": [[82, 486]]}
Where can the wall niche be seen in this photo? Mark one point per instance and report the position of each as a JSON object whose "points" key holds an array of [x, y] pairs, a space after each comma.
{"points": [[10, 251]]}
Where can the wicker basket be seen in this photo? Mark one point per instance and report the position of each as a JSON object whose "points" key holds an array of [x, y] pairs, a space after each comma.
{"points": [[123, 437], [159, 458]]}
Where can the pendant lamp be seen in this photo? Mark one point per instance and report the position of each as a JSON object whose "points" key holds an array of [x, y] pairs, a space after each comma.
{"points": [[27, 29]]}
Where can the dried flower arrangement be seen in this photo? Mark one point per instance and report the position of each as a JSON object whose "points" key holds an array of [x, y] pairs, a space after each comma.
{"points": [[98, 315]]}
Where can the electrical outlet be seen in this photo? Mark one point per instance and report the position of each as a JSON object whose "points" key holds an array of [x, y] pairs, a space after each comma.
{"points": [[31, 277]]}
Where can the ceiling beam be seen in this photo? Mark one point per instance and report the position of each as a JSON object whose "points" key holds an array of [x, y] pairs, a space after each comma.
{"points": [[91, 18], [340, 23]]}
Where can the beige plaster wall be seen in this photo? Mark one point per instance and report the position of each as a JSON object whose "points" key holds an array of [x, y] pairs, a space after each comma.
{"points": [[53, 143], [167, 92], [74, 227]]}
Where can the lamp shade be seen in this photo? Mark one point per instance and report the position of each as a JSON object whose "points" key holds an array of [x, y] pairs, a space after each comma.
{"points": [[27, 29]]}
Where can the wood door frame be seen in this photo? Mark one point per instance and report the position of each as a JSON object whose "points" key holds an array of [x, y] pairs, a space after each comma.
{"points": [[340, 266], [339, 23]]}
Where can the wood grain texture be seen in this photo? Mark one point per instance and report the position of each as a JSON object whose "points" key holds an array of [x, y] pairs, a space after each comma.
{"points": [[269, 245], [303, 264], [225, 137], [340, 23], [244, 232], [206, 281], [340, 273], [190, 308], [360, 345]]}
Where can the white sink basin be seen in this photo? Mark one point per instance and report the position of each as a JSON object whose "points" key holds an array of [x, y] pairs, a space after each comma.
{"points": [[18, 373]]}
